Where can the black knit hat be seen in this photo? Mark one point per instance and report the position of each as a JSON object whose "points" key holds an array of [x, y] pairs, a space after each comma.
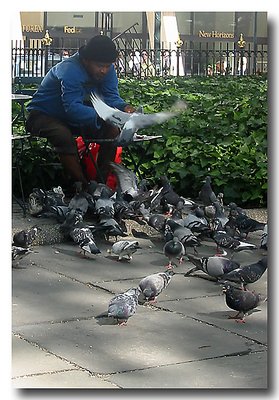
{"points": [[100, 48]]}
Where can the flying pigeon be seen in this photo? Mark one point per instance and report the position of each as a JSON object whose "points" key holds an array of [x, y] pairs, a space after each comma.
{"points": [[130, 123], [152, 285], [248, 273], [242, 301], [124, 248], [206, 194], [124, 305], [214, 266], [25, 237], [174, 249]]}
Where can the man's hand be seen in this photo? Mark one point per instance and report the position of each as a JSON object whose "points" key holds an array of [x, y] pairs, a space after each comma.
{"points": [[129, 109]]}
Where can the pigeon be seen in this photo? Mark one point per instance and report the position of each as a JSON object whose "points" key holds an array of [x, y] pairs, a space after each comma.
{"points": [[225, 241], [78, 202], [40, 200], [196, 224], [264, 238], [18, 253], [130, 123], [242, 301], [83, 236], [72, 220], [174, 249], [206, 194], [124, 305], [156, 221], [95, 189], [104, 206], [152, 285], [110, 227], [127, 181], [168, 193], [25, 237], [185, 235], [245, 224], [57, 212], [238, 210], [214, 266], [248, 273], [124, 248]]}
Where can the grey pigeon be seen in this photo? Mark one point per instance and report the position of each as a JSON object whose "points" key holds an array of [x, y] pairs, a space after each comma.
{"points": [[245, 224], [79, 202], [110, 227], [40, 200], [185, 235], [225, 241], [130, 123], [124, 305], [104, 206], [206, 194], [152, 285], [173, 250], [219, 213], [214, 266], [233, 207], [57, 212], [127, 181], [124, 248], [18, 253], [248, 273], [25, 237], [264, 238], [156, 221], [196, 224], [83, 236], [242, 301], [168, 193]]}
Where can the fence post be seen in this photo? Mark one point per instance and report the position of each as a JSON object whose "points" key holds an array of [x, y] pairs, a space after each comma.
{"points": [[46, 41]]}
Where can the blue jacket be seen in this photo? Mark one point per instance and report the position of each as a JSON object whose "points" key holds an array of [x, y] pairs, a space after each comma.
{"points": [[67, 86]]}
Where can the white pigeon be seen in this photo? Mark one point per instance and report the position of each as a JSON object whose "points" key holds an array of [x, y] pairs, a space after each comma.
{"points": [[130, 123], [124, 248]]}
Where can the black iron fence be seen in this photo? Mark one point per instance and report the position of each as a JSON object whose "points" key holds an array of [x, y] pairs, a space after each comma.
{"points": [[142, 63]]}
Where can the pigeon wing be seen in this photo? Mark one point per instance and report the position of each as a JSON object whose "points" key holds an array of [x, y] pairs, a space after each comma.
{"points": [[140, 121], [127, 179], [107, 113]]}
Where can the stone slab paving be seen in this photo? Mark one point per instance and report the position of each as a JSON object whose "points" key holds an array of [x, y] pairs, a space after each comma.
{"points": [[185, 340]]}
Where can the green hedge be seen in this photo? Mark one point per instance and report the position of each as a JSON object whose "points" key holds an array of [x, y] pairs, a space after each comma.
{"points": [[222, 133]]}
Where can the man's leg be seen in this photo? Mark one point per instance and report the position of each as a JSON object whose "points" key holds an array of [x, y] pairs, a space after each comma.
{"points": [[107, 151], [61, 138]]}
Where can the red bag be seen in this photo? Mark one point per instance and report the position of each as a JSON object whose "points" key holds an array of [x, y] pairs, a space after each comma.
{"points": [[89, 166]]}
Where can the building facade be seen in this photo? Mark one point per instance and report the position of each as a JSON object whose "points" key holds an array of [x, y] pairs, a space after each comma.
{"points": [[69, 29]]}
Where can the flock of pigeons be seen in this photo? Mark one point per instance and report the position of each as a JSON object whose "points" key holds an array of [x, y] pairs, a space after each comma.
{"points": [[182, 224]]}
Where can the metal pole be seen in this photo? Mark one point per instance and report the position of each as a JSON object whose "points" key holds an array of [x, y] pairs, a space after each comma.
{"points": [[157, 40]]}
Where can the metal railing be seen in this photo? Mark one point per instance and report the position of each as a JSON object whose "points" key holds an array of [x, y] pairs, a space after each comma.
{"points": [[142, 63]]}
